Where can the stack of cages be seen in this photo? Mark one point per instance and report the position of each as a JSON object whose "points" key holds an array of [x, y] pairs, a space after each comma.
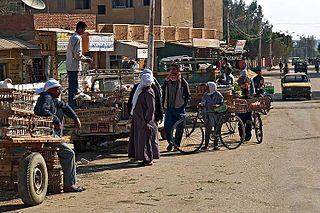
{"points": [[17, 120], [106, 112]]}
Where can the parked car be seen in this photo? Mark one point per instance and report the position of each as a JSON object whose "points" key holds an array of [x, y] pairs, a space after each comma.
{"points": [[296, 85], [301, 67]]}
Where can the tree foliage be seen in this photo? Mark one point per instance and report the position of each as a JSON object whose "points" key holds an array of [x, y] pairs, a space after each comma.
{"points": [[247, 22], [306, 47]]}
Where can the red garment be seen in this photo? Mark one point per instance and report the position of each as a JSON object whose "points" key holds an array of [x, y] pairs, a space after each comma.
{"points": [[173, 76]]}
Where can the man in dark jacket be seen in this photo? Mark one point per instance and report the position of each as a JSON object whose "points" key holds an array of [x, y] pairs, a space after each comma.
{"points": [[176, 94], [49, 105]]}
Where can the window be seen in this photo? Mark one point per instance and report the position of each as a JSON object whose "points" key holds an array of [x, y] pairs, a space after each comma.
{"points": [[102, 9], [146, 2], [82, 4], [61, 5], [122, 3]]}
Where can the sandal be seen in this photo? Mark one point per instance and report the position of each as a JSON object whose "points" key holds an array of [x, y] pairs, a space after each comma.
{"points": [[145, 163], [73, 188]]}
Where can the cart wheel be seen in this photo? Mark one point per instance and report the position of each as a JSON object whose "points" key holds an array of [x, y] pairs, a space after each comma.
{"points": [[163, 134], [33, 179]]}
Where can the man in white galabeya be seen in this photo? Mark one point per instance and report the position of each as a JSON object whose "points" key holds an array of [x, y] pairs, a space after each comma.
{"points": [[74, 59]]}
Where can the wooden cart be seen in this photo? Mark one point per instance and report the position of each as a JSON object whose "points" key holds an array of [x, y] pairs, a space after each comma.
{"points": [[28, 157], [31, 166]]}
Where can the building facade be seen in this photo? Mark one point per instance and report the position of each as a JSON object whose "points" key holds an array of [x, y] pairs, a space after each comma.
{"points": [[182, 13]]}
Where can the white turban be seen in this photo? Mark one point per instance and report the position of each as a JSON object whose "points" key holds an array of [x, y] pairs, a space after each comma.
{"points": [[48, 85], [212, 87], [146, 80]]}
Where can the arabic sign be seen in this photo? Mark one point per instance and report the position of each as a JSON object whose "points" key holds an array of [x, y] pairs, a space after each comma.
{"points": [[200, 42], [62, 41], [239, 46], [142, 53], [101, 42]]}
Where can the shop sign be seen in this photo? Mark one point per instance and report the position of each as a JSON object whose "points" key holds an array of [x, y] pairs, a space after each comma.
{"points": [[142, 53], [239, 46], [62, 41], [101, 43]]}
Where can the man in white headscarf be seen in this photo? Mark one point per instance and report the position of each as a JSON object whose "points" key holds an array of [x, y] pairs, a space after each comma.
{"points": [[143, 141], [210, 100], [48, 105]]}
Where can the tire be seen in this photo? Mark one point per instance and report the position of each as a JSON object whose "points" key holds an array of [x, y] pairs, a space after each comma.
{"points": [[231, 132], [33, 179], [309, 97], [192, 136], [257, 124]]}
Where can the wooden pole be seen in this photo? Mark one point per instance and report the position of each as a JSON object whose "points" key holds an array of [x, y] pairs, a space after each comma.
{"points": [[150, 61]]}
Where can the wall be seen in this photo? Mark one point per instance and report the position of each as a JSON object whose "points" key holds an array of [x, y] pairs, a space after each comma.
{"points": [[16, 23], [213, 15], [177, 13], [67, 21]]}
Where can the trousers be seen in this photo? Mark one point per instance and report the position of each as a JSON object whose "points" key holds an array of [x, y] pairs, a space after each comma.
{"points": [[72, 88], [67, 160]]}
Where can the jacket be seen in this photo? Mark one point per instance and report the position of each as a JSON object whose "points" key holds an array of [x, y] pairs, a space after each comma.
{"points": [[48, 106], [182, 94]]}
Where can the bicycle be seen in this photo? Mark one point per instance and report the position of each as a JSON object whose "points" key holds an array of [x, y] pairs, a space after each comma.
{"points": [[189, 131], [262, 108]]}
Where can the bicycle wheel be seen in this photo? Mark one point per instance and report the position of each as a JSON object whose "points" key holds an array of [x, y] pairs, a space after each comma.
{"points": [[257, 124], [187, 135], [231, 132]]}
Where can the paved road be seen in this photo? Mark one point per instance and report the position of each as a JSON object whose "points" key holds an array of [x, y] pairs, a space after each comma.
{"points": [[279, 175]]}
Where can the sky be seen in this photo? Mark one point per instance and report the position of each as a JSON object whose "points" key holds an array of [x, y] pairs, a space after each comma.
{"points": [[298, 17]]}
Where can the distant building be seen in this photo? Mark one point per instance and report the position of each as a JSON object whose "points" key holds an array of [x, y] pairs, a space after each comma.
{"points": [[182, 13]]}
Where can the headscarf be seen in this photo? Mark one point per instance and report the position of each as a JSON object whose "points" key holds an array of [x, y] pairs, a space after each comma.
{"points": [[146, 80], [174, 75], [48, 85], [212, 87]]}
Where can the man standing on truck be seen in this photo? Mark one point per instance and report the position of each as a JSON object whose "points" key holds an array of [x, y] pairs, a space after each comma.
{"points": [[74, 59], [176, 94], [49, 105]]}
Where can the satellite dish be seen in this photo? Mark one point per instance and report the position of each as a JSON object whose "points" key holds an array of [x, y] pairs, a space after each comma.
{"points": [[36, 4]]}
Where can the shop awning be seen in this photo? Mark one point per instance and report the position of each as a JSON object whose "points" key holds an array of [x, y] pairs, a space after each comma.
{"points": [[131, 49], [7, 43]]}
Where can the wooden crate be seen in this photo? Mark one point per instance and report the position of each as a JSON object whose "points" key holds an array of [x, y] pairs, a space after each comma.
{"points": [[208, 33], [121, 31], [105, 28], [138, 32], [196, 32], [169, 33], [158, 33], [183, 33]]}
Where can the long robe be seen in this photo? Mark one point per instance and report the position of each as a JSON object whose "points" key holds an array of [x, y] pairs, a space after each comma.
{"points": [[143, 141]]}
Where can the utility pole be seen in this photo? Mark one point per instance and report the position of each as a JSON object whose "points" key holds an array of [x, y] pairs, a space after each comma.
{"points": [[270, 50], [228, 25], [150, 61]]}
